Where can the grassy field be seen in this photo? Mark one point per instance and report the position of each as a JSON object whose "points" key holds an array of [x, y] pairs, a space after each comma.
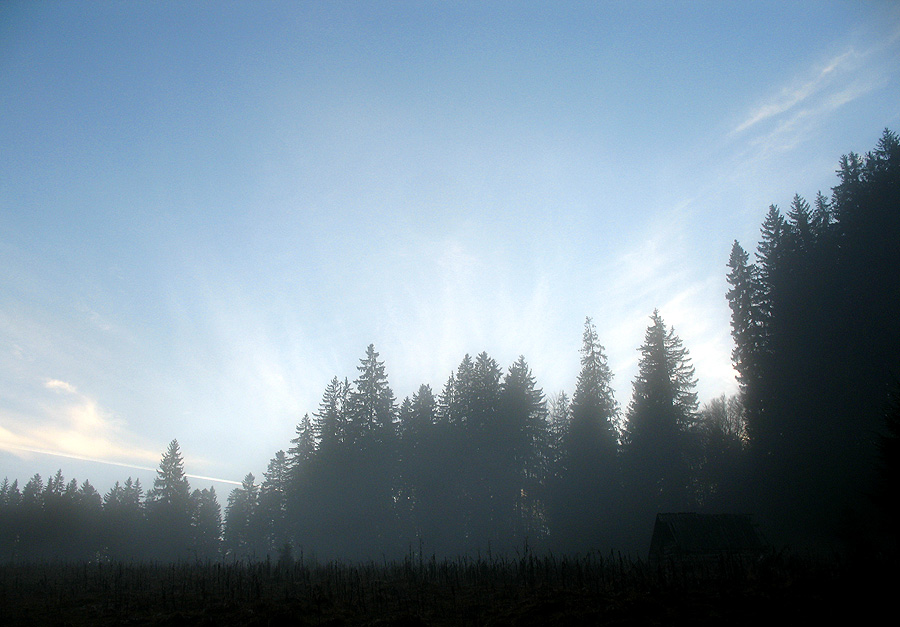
{"points": [[527, 590]]}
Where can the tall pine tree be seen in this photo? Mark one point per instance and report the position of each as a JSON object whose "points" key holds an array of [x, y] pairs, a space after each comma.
{"points": [[660, 441], [169, 506], [586, 498]]}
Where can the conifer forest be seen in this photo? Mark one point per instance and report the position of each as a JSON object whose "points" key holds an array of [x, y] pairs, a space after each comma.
{"points": [[490, 470]]}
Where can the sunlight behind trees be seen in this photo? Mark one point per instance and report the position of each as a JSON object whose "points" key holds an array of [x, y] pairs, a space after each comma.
{"points": [[492, 465]]}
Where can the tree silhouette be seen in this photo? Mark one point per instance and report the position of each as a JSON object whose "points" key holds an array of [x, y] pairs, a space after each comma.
{"points": [[520, 458], [124, 526], [206, 524], [331, 420], [304, 447], [660, 444], [559, 417], [171, 486], [587, 492], [273, 504], [169, 506], [10, 523], [419, 465], [481, 402], [241, 538], [815, 363], [372, 415], [746, 329], [371, 480], [722, 461]]}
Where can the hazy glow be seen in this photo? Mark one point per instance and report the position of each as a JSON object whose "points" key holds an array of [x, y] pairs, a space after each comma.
{"points": [[207, 213], [74, 426]]}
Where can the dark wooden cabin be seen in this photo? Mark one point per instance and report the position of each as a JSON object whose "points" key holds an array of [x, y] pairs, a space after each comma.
{"points": [[696, 539]]}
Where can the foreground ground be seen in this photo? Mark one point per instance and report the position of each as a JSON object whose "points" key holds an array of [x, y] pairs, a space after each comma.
{"points": [[524, 591]]}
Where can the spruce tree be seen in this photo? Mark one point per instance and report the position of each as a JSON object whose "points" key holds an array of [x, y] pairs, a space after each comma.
{"points": [[169, 507], [272, 513], [659, 431], [586, 497], [447, 483], [592, 431], [304, 447], [372, 409], [206, 524], [801, 221], [559, 417], [241, 539], [330, 425], [522, 440], [419, 460], [33, 492], [747, 331], [171, 486], [822, 216], [356, 485], [479, 461]]}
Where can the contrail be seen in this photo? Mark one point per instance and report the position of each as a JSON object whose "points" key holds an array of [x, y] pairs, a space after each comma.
{"points": [[202, 478], [109, 463]]}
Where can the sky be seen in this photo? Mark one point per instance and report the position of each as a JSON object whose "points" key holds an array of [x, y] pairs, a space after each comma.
{"points": [[208, 210]]}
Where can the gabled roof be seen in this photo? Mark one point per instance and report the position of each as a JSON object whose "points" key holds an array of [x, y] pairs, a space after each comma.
{"points": [[705, 533]]}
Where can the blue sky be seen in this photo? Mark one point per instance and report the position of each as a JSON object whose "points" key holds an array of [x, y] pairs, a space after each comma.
{"points": [[209, 210]]}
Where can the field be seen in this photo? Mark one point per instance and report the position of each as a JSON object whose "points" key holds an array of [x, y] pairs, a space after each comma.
{"points": [[526, 590]]}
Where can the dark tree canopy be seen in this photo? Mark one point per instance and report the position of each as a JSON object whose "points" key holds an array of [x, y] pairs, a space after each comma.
{"points": [[65, 520], [489, 464], [587, 486], [816, 343], [660, 443]]}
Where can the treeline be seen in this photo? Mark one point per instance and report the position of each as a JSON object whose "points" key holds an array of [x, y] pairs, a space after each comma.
{"points": [[816, 324], [490, 464], [65, 521], [487, 464]]}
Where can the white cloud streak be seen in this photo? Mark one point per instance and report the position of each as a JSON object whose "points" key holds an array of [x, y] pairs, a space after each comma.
{"points": [[790, 97], [27, 449], [73, 425], [56, 384], [797, 111]]}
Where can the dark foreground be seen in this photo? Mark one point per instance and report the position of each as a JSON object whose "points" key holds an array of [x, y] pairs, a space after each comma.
{"points": [[523, 591]]}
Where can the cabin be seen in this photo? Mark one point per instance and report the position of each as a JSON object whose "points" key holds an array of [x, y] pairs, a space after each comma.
{"points": [[690, 539]]}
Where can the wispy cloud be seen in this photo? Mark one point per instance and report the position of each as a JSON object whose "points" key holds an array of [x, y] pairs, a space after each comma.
{"points": [[791, 131], [660, 271], [56, 384], [795, 112], [93, 317], [795, 95], [71, 423]]}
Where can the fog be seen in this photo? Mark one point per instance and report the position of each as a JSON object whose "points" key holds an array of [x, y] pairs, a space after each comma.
{"points": [[488, 463]]}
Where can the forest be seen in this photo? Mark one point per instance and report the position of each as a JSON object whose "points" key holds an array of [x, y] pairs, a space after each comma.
{"points": [[490, 464]]}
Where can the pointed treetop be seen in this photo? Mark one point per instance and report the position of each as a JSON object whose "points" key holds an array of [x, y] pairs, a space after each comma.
{"points": [[171, 485], [665, 373]]}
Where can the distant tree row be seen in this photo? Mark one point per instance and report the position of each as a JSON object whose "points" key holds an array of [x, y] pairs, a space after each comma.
{"points": [[65, 521], [491, 464], [488, 464]]}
